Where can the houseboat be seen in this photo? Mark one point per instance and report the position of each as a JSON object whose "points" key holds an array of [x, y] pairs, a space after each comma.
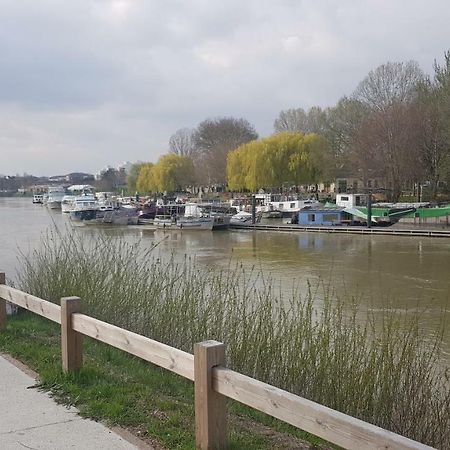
{"points": [[324, 216], [277, 205]]}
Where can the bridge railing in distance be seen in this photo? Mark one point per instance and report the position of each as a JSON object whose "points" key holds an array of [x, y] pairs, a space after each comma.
{"points": [[213, 381]]}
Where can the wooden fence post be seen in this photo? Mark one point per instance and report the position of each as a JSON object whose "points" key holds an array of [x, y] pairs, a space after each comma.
{"points": [[2, 304], [71, 351], [210, 406]]}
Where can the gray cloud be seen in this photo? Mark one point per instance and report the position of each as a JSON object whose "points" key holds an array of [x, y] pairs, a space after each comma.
{"points": [[89, 83]]}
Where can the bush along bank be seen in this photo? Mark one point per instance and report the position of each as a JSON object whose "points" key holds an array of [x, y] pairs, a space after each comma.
{"points": [[381, 371]]}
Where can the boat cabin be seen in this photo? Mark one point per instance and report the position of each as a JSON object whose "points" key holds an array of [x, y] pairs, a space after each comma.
{"points": [[323, 216], [38, 198], [351, 200]]}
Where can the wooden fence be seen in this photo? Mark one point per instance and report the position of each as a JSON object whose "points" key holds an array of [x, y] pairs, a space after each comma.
{"points": [[213, 381]]}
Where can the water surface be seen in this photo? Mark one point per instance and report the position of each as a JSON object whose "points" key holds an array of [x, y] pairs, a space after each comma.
{"points": [[407, 272]]}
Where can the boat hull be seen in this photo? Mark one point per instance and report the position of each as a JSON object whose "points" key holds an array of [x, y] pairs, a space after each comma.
{"points": [[200, 223], [164, 222], [84, 215], [54, 204], [221, 222]]}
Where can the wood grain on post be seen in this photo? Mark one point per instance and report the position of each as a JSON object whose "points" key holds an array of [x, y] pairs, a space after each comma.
{"points": [[210, 406], [71, 351], [2, 304]]}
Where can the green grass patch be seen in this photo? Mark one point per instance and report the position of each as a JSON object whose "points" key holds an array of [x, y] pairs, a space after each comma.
{"points": [[122, 390]]}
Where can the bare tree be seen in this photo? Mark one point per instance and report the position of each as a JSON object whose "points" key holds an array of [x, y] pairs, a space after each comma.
{"points": [[389, 92], [293, 120], [182, 142], [349, 130], [298, 121], [214, 138], [316, 120], [343, 121], [434, 107], [389, 84]]}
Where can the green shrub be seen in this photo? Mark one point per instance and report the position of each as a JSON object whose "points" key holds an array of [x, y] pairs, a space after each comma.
{"points": [[383, 371]]}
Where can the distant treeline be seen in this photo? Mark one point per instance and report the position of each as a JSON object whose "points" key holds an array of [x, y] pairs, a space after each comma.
{"points": [[394, 127]]}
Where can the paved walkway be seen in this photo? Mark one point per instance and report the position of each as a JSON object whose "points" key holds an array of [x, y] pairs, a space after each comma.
{"points": [[30, 419]]}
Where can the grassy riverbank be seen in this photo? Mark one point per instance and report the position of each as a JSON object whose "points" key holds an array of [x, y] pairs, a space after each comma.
{"points": [[381, 371], [154, 404]]}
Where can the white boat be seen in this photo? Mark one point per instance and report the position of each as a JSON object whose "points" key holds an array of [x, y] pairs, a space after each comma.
{"points": [[85, 208], [107, 200], [67, 203], [195, 223], [55, 196], [168, 215], [269, 203], [195, 218], [244, 218], [220, 212], [77, 190], [164, 221]]}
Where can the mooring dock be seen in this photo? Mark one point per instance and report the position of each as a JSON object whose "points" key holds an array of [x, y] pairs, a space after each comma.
{"points": [[346, 230]]}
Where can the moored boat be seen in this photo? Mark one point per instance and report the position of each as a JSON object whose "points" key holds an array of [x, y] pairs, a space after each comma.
{"points": [[274, 214], [278, 205], [85, 208], [195, 223], [220, 212], [221, 221], [109, 217], [194, 218], [245, 218], [74, 191], [55, 196], [167, 215], [38, 199], [164, 221]]}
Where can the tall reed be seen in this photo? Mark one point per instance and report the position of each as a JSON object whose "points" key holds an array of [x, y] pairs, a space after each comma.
{"points": [[381, 371]]}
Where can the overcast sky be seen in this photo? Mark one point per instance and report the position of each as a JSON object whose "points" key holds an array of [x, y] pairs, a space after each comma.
{"points": [[84, 84]]}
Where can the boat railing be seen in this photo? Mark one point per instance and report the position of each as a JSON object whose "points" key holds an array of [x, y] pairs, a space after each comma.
{"points": [[213, 381]]}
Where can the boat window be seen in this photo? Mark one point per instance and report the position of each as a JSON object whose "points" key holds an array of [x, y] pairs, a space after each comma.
{"points": [[311, 217], [344, 199], [292, 205], [330, 218]]}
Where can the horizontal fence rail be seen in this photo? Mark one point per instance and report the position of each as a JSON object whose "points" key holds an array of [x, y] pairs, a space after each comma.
{"points": [[213, 381], [32, 303], [331, 425], [162, 355]]}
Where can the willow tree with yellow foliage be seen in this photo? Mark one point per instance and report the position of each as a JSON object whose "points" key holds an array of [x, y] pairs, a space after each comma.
{"points": [[145, 182], [293, 158], [171, 173]]}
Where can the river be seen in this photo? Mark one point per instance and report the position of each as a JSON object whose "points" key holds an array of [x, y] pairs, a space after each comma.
{"points": [[407, 272]]}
